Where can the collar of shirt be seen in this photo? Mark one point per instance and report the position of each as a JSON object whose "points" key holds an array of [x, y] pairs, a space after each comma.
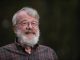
{"points": [[19, 47]]}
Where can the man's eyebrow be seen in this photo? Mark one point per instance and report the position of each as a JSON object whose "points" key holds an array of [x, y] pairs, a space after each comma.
{"points": [[23, 21], [27, 21]]}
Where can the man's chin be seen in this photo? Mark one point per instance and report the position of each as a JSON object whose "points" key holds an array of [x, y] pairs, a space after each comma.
{"points": [[29, 40]]}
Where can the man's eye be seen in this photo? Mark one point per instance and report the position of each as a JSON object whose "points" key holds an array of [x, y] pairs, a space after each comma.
{"points": [[23, 23], [34, 23]]}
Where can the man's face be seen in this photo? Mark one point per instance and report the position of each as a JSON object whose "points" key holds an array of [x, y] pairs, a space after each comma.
{"points": [[27, 26]]}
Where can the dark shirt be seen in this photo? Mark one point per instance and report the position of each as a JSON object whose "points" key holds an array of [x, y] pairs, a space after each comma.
{"points": [[16, 52]]}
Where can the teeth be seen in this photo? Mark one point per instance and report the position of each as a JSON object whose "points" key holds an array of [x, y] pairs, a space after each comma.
{"points": [[29, 32]]}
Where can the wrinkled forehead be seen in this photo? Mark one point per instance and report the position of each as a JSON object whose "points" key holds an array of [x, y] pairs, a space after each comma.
{"points": [[23, 14]]}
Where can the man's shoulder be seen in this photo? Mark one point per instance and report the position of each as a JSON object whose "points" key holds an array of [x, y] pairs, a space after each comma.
{"points": [[8, 46], [48, 50], [44, 47]]}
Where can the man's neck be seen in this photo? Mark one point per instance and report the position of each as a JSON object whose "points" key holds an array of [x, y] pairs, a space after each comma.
{"points": [[28, 50]]}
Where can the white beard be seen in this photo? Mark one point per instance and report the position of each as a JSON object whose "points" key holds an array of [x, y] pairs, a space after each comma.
{"points": [[25, 41]]}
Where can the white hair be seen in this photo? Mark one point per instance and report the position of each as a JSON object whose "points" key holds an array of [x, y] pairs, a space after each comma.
{"points": [[29, 11]]}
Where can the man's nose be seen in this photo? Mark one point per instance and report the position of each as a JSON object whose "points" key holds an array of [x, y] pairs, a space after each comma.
{"points": [[29, 25]]}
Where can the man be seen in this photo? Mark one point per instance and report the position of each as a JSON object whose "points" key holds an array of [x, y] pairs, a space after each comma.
{"points": [[26, 47]]}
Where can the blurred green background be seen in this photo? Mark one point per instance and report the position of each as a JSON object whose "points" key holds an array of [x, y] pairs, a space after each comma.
{"points": [[59, 24]]}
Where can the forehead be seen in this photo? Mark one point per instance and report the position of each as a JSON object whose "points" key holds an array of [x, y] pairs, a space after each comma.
{"points": [[22, 15]]}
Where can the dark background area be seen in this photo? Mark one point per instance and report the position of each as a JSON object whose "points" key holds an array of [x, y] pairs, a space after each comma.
{"points": [[59, 24]]}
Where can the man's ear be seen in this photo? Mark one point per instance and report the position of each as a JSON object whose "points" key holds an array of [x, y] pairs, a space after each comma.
{"points": [[14, 29]]}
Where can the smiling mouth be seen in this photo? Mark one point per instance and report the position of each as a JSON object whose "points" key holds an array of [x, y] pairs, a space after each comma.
{"points": [[29, 33]]}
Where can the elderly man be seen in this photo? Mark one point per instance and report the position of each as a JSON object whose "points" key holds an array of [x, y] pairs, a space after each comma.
{"points": [[26, 47]]}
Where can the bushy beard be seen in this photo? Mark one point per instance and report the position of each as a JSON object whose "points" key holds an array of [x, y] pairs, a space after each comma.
{"points": [[24, 41]]}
